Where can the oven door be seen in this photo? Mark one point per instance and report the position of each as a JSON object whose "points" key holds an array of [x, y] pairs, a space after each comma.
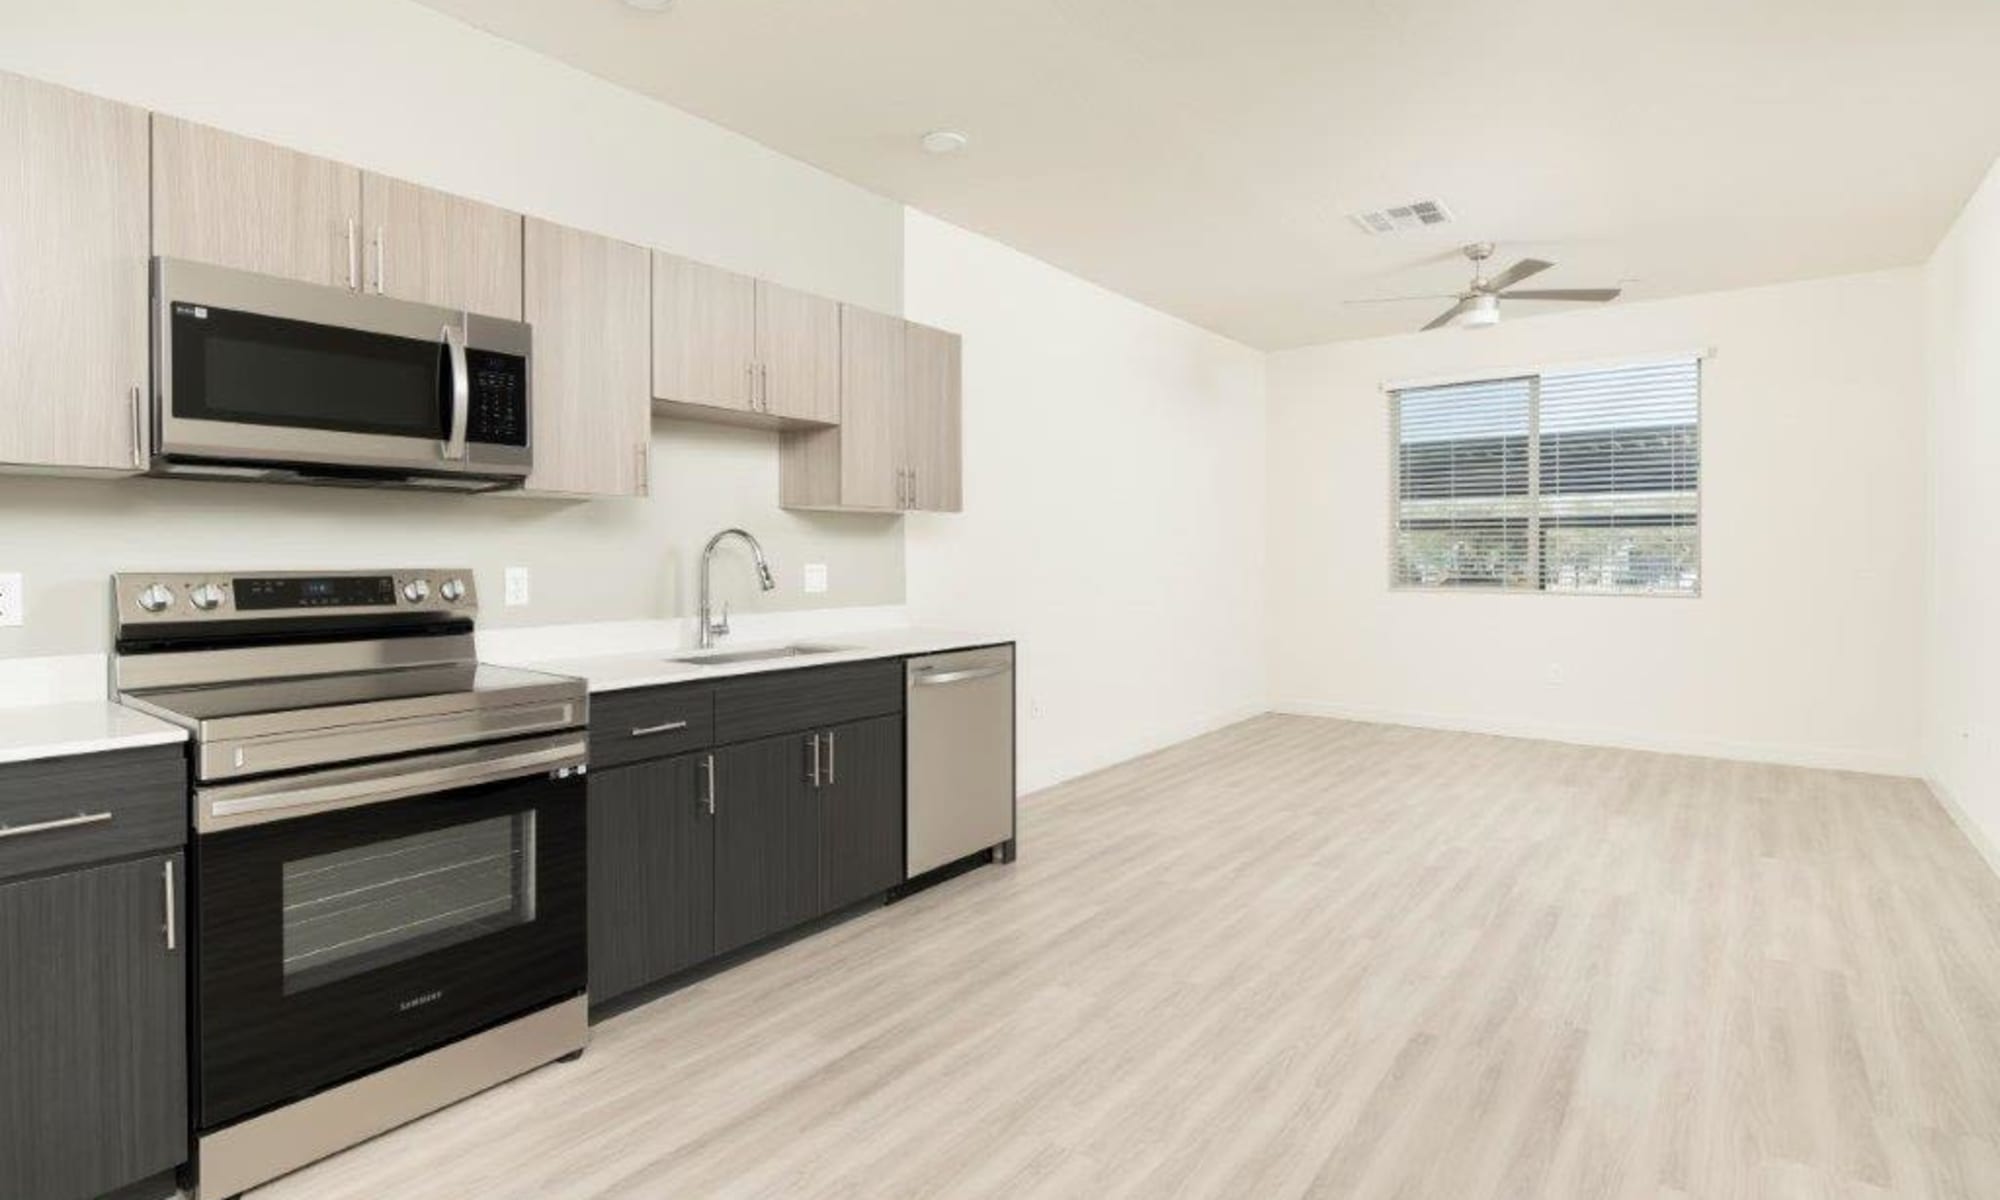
{"points": [[333, 944], [253, 369]]}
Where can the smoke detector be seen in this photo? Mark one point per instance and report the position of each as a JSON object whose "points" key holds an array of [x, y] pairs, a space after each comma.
{"points": [[1417, 214], [944, 141]]}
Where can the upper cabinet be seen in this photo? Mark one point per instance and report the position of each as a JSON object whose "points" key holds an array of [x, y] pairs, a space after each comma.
{"points": [[73, 351], [586, 297], [238, 202], [729, 347], [437, 248], [897, 447]]}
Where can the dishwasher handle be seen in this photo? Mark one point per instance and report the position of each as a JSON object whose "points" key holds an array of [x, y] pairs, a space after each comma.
{"points": [[935, 678]]}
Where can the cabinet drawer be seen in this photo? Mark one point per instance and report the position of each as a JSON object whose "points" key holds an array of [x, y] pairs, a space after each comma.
{"points": [[650, 723], [63, 812], [788, 701]]}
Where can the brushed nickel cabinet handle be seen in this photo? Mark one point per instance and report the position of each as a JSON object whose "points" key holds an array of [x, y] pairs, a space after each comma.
{"points": [[381, 262], [663, 727], [138, 427], [812, 774], [829, 755], [172, 924], [353, 259], [708, 769], [13, 831]]}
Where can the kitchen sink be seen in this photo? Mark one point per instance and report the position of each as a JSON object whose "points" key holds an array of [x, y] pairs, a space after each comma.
{"points": [[736, 656]]}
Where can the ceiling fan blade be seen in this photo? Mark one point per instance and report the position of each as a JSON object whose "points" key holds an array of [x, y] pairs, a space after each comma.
{"points": [[1598, 294], [1445, 318], [1400, 299], [1516, 273]]}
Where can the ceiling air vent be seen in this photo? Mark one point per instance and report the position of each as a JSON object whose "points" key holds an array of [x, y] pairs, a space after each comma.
{"points": [[1417, 214]]}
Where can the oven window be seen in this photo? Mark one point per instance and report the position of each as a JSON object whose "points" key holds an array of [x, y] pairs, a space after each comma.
{"points": [[368, 906], [257, 370]]}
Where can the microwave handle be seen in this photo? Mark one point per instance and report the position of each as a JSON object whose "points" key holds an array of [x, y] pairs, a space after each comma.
{"points": [[461, 394]]}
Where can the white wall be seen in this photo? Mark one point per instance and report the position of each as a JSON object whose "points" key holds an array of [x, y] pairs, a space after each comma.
{"points": [[1962, 652], [1804, 645], [1113, 504], [397, 87]]}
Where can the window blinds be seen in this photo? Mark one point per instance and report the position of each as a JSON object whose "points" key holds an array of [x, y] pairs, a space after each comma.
{"points": [[1563, 481]]}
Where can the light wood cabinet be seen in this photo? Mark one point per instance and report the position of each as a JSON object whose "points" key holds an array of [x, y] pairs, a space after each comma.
{"points": [[704, 336], [437, 248], [73, 351], [798, 354], [587, 298], [897, 447], [933, 370], [729, 347], [238, 202]]}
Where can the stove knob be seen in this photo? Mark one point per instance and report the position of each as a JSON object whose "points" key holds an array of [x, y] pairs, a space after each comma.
{"points": [[207, 597], [417, 591], [453, 590], [156, 598]]}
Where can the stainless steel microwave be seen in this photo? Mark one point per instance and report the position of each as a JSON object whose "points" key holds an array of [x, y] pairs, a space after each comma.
{"points": [[262, 378]]}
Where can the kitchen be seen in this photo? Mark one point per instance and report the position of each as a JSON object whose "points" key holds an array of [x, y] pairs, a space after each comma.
{"points": [[630, 598]]}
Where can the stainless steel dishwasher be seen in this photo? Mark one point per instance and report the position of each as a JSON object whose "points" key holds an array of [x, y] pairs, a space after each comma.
{"points": [[961, 756]]}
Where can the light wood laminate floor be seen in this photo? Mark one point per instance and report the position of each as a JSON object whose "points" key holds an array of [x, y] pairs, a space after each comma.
{"points": [[1302, 957]]}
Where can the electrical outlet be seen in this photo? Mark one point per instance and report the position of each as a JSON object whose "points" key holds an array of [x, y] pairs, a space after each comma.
{"points": [[1554, 675], [13, 604], [815, 577], [517, 586]]}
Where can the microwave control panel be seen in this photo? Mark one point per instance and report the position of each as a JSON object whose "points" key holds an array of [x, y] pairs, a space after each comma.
{"points": [[499, 409]]}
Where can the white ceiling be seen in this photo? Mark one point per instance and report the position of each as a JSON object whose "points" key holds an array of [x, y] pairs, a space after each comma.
{"points": [[1200, 157]]}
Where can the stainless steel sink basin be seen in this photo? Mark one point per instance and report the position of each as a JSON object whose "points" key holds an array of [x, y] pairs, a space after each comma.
{"points": [[736, 656]]}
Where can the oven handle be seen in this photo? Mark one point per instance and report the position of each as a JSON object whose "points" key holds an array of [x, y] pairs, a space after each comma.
{"points": [[461, 393], [328, 791]]}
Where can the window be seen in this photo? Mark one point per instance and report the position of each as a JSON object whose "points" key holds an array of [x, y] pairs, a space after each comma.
{"points": [[1558, 481]]}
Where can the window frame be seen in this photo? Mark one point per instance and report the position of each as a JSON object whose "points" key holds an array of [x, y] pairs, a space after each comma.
{"points": [[1392, 412]]}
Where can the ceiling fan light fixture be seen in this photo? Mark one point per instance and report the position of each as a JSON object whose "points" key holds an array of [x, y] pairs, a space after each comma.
{"points": [[1483, 311]]}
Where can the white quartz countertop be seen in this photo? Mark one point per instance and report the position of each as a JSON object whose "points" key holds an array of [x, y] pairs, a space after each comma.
{"points": [[79, 727], [654, 667]]}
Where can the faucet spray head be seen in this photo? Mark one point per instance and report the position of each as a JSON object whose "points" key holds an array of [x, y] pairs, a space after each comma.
{"points": [[764, 579]]}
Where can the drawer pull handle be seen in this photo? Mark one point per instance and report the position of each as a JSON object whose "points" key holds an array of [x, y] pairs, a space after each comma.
{"points": [[663, 727], [8, 831]]}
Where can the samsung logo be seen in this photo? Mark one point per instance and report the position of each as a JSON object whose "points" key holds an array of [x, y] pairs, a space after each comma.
{"points": [[196, 311], [418, 1001]]}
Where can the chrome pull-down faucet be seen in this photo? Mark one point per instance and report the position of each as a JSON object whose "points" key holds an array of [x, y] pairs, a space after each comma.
{"points": [[712, 627]]}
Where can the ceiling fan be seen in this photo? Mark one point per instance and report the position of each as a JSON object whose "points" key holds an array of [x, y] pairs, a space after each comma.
{"points": [[1479, 304]]}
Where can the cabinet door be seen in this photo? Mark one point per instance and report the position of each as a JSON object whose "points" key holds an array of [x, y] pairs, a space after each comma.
{"points": [[237, 202], [873, 426], [72, 278], [652, 873], [586, 297], [436, 248], [933, 381], [862, 803], [767, 840], [704, 334], [798, 352], [92, 1030]]}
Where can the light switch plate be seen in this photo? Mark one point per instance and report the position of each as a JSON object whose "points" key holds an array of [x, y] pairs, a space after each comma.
{"points": [[13, 604], [815, 577], [517, 586]]}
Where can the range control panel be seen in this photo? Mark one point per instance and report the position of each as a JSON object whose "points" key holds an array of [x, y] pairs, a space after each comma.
{"points": [[211, 596]]}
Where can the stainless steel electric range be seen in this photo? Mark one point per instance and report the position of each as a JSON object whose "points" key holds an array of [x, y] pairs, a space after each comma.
{"points": [[388, 861]]}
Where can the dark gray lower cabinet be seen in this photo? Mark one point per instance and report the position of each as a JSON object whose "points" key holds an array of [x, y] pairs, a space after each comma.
{"points": [[652, 873], [93, 1057], [767, 839], [861, 807]]}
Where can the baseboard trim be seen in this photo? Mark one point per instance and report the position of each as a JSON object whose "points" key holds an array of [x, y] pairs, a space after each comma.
{"points": [[1791, 756], [1981, 842], [1139, 747]]}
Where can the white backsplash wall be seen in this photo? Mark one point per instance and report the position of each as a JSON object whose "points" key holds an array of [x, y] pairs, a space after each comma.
{"points": [[393, 86], [590, 560]]}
